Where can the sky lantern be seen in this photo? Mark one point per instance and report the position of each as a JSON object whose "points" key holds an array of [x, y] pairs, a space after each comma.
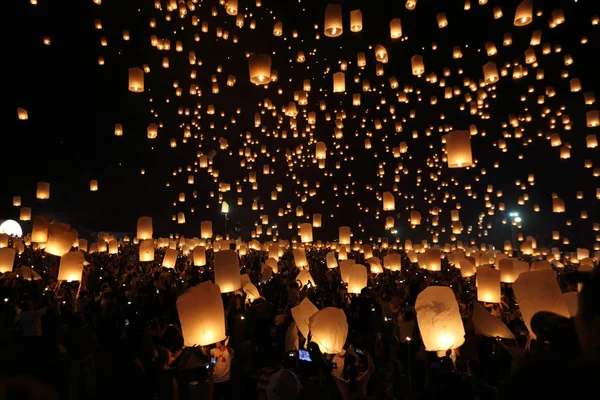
{"points": [[278, 28], [260, 68], [300, 257], [357, 279], [306, 233], [152, 131], [396, 28], [329, 329], [418, 67], [333, 20], [458, 149], [144, 228], [415, 218], [411, 4], [146, 252], [344, 235], [305, 278], [227, 270], [592, 118], [206, 231], [442, 20], [389, 203], [490, 72], [199, 256], [22, 114], [16, 201], [524, 13], [39, 232], [43, 191], [488, 285], [231, 7], [356, 24], [201, 326], [339, 82], [381, 54], [71, 267], [7, 259], [487, 325], [93, 185], [439, 319], [539, 291], [60, 239], [25, 214], [392, 261], [136, 80], [301, 315], [170, 258]]}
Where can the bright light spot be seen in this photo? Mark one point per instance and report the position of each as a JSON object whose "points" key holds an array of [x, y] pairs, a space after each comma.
{"points": [[518, 219], [11, 228]]}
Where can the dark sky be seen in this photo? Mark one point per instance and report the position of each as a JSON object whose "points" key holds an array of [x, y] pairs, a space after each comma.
{"points": [[74, 103]]}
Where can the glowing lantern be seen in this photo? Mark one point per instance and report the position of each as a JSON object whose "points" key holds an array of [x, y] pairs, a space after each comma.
{"points": [[381, 54], [539, 291], [93, 185], [507, 270], [39, 232], [206, 231], [411, 4], [199, 256], [344, 235], [300, 257], [415, 218], [146, 250], [205, 325], [558, 205], [439, 319], [329, 329], [356, 21], [278, 28], [392, 261], [60, 239], [389, 203], [490, 72], [396, 28], [442, 20], [592, 119], [302, 313], [305, 278], [25, 214], [136, 80], [418, 67], [487, 325], [331, 260], [524, 13], [357, 278], [260, 68], [232, 7], [170, 258], [306, 234], [488, 285], [7, 259], [71, 267], [22, 114], [227, 271], [333, 20], [339, 82], [144, 228], [16, 201], [43, 191], [458, 149]]}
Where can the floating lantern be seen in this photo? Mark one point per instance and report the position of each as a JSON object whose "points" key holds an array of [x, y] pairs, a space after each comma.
{"points": [[329, 329], [260, 69], [71, 267], [333, 20], [205, 325], [227, 270], [136, 80], [144, 228], [458, 149]]}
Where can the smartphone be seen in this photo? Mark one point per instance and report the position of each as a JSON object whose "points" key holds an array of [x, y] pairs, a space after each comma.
{"points": [[213, 361], [360, 351], [126, 322], [334, 365], [304, 355]]}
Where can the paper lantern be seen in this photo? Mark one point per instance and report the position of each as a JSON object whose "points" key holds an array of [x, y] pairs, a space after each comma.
{"points": [[558, 205], [231, 7], [346, 269], [415, 218], [488, 285], [458, 149], [22, 114], [136, 80], [339, 82], [467, 269], [227, 270], [60, 239], [260, 68], [206, 231], [43, 191], [357, 279], [507, 270], [71, 267], [93, 185], [389, 203], [330, 260], [170, 258], [418, 67], [333, 20], [306, 234], [411, 4], [572, 301], [146, 250], [144, 228], [592, 119], [539, 291], [344, 234], [152, 131], [381, 54], [442, 20], [487, 325], [321, 151], [302, 313], [201, 325], [278, 28], [300, 257], [25, 214], [431, 260], [524, 13], [317, 220], [39, 232], [396, 28], [272, 263], [16, 201], [490, 72], [356, 24], [329, 329], [392, 261], [82, 245], [305, 278], [113, 247], [439, 319], [199, 256], [118, 130], [7, 259]]}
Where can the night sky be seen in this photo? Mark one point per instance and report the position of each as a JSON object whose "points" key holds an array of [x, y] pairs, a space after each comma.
{"points": [[74, 103]]}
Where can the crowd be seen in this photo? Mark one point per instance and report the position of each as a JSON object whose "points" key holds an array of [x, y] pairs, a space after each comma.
{"points": [[117, 335]]}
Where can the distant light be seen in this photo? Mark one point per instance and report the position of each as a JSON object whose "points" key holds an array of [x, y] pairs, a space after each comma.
{"points": [[394, 232], [518, 219], [224, 207], [11, 228]]}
